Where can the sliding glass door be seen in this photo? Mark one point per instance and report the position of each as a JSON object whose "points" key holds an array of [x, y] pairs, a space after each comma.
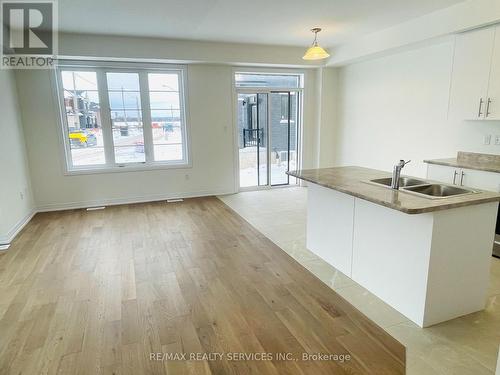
{"points": [[267, 137], [253, 139], [283, 136]]}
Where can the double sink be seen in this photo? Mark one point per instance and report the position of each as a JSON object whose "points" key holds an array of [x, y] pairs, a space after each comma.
{"points": [[424, 188]]}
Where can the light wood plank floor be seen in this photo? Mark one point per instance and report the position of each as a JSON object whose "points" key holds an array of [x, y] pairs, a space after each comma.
{"points": [[98, 292]]}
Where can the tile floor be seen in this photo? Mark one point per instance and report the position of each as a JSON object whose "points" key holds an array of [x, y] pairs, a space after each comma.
{"points": [[463, 346]]}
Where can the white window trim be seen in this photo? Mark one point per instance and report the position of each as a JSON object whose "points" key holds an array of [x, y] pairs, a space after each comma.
{"points": [[101, 67]]}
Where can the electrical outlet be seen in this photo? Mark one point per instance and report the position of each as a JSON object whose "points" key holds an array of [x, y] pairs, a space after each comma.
{"points": [[186, 176], [487, 139], [497, 140], [21, 194]]}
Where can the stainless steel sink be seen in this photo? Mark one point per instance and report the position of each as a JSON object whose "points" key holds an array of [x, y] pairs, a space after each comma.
{"points": [[422, 188], [438, 190], [403, 181]]}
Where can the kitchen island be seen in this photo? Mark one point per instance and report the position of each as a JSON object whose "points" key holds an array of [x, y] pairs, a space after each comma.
{"points": [[427, 257]]}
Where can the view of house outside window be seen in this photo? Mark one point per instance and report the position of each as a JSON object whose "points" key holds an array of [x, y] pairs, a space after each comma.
{"points": [[83, 116]]}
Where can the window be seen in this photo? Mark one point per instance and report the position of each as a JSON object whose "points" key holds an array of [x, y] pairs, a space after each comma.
{"points": [[268, 80], [166, 122], [122, 117], [126, 117], [83, 119]]}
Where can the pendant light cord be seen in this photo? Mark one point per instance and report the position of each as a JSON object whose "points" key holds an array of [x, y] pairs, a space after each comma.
{"points": [[316, 30]]}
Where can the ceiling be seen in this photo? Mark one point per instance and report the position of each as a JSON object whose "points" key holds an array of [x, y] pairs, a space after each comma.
{"points": [[281, 22]]}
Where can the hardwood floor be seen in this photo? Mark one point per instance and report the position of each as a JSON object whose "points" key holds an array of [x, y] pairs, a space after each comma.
{"points": [[97, 292]]}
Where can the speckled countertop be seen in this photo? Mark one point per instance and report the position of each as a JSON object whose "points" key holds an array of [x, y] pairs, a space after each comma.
{"points": [[471, 160], [353, 181]]}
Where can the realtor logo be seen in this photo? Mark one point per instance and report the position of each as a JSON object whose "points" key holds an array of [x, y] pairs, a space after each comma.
{"points": [[28, 34]]}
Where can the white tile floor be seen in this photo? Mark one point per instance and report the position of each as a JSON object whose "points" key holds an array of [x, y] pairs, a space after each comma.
{"points": [[467, 345]]}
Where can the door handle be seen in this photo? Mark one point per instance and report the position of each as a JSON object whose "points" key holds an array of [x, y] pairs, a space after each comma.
{"points": [[455, 177], [462, 179], [480, 112], [488, 107]]}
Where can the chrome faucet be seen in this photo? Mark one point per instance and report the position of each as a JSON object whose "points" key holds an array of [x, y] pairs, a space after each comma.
{"points": [[396, 174]]}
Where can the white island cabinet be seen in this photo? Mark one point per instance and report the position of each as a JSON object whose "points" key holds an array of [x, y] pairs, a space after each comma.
{"points": [[427, 258]]}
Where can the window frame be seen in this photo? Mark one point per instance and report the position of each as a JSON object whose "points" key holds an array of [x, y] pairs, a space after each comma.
{"points": [[110, 165]]}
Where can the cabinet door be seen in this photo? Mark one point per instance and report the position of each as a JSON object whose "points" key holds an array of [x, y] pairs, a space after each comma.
{"points": [[494, 87], [480, 179], [442, 173], [330, 215], [471, 71]]}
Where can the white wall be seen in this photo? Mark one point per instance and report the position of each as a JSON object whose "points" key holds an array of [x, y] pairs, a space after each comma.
{"points": [[210, 116], [463, 16], [14, 176], [310, 125], [327, 110], [183, 50], [395, 107], [210, 119]]}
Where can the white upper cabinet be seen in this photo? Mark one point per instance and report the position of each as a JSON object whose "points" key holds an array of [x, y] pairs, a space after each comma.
{"points": [[471, 74], [493, 101]]}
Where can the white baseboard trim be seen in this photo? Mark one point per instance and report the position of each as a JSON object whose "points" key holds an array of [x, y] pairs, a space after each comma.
{"points": [[131, 200], [9, 237]]}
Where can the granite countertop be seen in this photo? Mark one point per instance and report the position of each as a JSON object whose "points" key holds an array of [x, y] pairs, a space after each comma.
{"points": [[471, 160], [353, 181]]}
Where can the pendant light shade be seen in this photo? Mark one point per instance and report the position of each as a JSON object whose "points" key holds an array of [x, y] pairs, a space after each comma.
{"points": [[315, 52]]}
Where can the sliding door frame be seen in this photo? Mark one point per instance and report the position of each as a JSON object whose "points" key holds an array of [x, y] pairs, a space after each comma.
{"points": [[268, 91]]}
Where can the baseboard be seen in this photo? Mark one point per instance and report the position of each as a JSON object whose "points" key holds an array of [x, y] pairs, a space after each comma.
{"points": [[131, 200], [9, 237]]}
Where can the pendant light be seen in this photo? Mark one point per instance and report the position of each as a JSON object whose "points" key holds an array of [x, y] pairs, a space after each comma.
{"points": [[315, 52]]}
